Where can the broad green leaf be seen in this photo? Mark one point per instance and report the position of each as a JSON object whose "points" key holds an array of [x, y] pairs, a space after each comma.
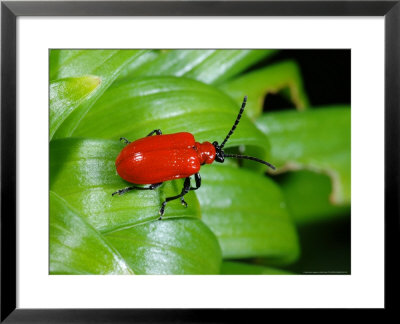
{"points": [[76, 247], [241, 268], [247, 213], [208, 66], [171, 246], [174, 63], [271, 79], [60, 58], [307, 197], [317, 140], [135, 107], [83, 172], [131, 70], [66, 95], [75, 63], [104, 64]]}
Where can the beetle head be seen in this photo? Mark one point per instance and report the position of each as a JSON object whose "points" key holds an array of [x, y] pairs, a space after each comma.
{"points": [[219, 153]]}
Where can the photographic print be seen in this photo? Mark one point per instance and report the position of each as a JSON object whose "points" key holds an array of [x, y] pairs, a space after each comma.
{"points": [[234, 161]]}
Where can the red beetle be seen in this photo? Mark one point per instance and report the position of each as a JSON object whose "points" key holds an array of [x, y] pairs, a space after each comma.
{"points": [[156, 159]]}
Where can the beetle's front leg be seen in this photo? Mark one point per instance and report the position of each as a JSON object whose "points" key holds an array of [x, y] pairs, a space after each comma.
{"points": [[197, 178], [183, 202], [185, 190]]}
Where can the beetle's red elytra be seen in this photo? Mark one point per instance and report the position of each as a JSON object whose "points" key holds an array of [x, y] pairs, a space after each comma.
{"points": [[156, 159], [162, 158]]}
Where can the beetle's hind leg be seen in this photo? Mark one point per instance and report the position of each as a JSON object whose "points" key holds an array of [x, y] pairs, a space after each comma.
{"points": [[185, 190], [122, 191], [156, 131]]}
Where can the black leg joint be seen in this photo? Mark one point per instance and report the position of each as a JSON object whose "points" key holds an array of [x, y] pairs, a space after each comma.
{"points": [[185, 190]]}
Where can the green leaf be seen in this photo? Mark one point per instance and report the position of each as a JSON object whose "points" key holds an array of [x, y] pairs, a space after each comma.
{"points": [[135, 107], [75, 63], [316, 140], [208, 66], [307, 197], [272, 79], [77, 248], [131, 70], [241, 268], [174, 63], [173, 246], [66, 95], [58, 59], [83, 172], [247, 213], [106, 65]]}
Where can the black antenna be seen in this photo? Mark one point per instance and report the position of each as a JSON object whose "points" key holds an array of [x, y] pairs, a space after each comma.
{"points": [[220, 154], [236, 122], [250, 158]]}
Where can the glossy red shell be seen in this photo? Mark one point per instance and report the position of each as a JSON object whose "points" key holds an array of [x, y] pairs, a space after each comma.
{"points": [[160, 158]]}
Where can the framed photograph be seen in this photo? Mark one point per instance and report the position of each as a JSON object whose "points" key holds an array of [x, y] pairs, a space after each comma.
{"points": [[192, 155]]}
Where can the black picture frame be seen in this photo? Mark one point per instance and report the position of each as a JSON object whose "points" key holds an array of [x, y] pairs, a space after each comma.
{"points": [[10, 10]]}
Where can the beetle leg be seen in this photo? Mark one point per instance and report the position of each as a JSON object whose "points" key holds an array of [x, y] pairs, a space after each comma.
{"points": [[183, 202], [124, 140], [156, 131], [185, 190], [197, 178], [151, 187]]}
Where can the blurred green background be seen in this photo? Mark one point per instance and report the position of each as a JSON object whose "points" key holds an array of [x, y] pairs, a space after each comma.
{"points": [[244, 219]]}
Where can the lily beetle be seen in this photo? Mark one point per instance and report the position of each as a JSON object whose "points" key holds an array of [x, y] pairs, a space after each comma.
{"points": [[156, 159]]}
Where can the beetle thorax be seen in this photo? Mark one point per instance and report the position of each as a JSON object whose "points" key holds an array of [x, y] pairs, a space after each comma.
{"points": [[205, 152]]}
